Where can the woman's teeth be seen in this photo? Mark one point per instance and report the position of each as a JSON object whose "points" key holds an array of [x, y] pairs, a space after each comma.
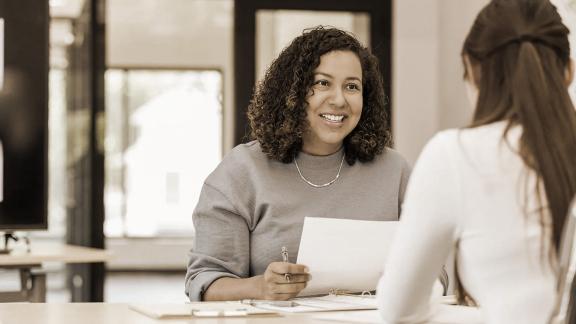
{"points": [[335, 118]]}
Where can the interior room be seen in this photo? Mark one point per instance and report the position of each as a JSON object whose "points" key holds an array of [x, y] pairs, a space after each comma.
{"points": [[113, 113]]}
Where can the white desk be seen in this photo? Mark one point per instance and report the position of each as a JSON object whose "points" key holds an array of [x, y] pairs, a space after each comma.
{"points": [[102, 313], [33, 285]]}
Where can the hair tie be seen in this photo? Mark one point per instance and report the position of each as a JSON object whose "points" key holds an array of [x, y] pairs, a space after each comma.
{"points": [[525, 38], [517, 40]]}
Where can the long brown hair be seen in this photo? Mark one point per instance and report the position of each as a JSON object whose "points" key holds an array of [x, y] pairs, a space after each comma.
{"points": [[520, 52]]}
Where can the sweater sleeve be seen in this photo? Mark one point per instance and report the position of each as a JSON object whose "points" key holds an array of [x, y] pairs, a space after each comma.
{"points": [[425, 237], [221, 243]]}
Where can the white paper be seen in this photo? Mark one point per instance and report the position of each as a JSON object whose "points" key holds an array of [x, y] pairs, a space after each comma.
{"points": [[344, 254], [329, 303], [326, 303], [444, 315]]}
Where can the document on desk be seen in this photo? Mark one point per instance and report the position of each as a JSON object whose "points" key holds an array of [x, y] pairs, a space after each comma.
{"points": [[326, 303], [343, 254], [200, 309]]}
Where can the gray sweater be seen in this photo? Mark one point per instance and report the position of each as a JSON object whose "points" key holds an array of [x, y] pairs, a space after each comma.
{"points": [[251, 206]]}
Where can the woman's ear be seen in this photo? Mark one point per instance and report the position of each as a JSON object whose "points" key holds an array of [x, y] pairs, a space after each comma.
{"points": [[569, 73]]}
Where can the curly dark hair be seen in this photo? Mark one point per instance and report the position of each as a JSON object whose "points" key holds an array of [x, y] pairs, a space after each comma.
{"points": [[277, 111]]}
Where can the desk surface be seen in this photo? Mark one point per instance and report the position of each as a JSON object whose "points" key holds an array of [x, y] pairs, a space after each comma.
{"points": [[53, 252], [102, 313]]}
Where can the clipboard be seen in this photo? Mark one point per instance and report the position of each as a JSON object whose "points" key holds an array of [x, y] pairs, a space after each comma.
{"points": [[200, 310]]}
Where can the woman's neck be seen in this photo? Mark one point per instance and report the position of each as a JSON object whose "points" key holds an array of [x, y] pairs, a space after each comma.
{"points": [[321, 150]]}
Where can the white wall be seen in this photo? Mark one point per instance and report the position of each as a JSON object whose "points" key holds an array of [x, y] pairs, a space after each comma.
{"points": [[428, 92], [567, 10]]}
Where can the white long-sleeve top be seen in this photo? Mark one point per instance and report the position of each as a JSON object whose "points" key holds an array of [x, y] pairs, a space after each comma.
{"points": [[471, 192]]}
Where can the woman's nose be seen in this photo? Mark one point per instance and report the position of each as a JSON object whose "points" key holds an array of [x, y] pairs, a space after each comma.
{"points": [[337, 98]]}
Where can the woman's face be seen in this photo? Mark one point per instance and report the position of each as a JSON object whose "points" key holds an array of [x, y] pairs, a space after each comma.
{"points": [[334, 102]]}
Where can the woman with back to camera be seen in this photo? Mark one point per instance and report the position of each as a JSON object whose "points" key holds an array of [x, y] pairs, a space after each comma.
{"points": [[498, 191], [321, 132]]}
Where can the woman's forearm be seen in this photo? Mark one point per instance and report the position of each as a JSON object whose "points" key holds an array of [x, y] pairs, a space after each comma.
{"points": [[234, 289]]}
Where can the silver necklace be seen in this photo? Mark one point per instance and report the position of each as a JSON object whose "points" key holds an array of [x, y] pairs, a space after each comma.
{"points": [[319, 185]]}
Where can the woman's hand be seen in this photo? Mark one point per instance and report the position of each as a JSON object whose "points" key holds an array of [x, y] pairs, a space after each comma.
{"points": [[283, 280]]}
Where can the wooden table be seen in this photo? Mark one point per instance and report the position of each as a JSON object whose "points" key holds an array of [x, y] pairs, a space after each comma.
{"points": [[54, 252], [32, 282], [103, 313]]}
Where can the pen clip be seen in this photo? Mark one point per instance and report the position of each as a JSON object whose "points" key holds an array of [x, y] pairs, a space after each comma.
{"points": [[284, 254]]}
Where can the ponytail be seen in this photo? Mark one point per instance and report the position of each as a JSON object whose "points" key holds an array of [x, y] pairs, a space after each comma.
{"points": [[548, 119]]}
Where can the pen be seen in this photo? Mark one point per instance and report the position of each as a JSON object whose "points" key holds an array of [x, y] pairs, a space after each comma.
{"points": [[284, 253]]}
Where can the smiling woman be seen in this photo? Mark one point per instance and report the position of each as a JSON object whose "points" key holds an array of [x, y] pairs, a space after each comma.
{"points": [[320, 104]]}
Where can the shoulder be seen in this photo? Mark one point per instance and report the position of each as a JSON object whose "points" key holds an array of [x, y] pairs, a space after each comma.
{"points": [[441, 142], [391, 160], [438, 154], [467, 139], [464, 147], [244, 153], [479, 145], [239, 163]]}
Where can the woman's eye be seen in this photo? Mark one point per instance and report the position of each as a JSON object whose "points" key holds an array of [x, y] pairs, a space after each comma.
{"points": [[323, 83], [352, 86]]}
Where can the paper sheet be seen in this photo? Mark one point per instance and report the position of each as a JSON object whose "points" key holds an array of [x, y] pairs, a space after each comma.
{"points": [[330, 303], [444, 315], [325, 304], [344, 254]]}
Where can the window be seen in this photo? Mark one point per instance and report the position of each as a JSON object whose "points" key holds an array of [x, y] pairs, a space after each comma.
{"points": [[163, 138]]}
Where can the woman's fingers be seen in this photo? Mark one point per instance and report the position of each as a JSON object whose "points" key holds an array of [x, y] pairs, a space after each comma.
{"points": [[285, 267], [291, 278], [286, 278], [293, 288]]}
